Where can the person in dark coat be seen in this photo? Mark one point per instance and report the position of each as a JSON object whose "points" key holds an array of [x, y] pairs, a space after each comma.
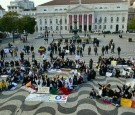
{"points": [[91, 64]]}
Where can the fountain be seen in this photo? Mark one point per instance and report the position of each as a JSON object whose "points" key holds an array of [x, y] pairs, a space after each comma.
{"points": [[75, 31]]}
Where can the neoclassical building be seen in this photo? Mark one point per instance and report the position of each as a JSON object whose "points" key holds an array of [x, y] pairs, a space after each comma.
{"points": [[90, 15]]}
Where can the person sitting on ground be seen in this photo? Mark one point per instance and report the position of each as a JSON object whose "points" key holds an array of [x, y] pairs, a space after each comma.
{"points": [[93, 94]]}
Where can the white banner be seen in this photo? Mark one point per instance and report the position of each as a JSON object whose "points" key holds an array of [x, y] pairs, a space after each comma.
{"points": [[43, 89], [58, 98], [47, 98], [30, 90], [38, 97]]}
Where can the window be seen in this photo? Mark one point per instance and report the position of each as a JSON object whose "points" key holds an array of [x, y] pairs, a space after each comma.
{"points": [[40, 22], [60, 21], [118, 6], [50, 21], [95, 27], [111, 19], [123, 19], [56, 9], [101, 8], [122, 26], [117, 19], [61, 27], [65, 27], [45, 21], [105, 20], [100, 26], [57, 28], [104, 26], [65, 21], [51, 28], [65, 9], [111, 27], [40, 28], [60, 9], [56, 21], [95, 20], [100, 20], [45, 10]]}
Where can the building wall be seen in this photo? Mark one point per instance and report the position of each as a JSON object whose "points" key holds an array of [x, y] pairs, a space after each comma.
{"points": [[117, 11]]}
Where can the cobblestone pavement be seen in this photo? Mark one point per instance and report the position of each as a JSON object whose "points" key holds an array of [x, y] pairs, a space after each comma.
{"points": [[13, 102]]}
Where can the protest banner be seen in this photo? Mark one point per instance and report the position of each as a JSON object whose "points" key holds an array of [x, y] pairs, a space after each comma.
{"points": [[125, 102], [43, 89], [58, 98], [38, 97], [28, 89]]}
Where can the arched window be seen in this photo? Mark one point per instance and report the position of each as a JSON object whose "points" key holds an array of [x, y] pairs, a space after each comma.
{"points": [[95, 20], [105, 19], [117, 19], [40, 21]]}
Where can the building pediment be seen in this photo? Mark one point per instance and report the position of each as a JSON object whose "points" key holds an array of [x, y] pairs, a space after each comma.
{"points": [[80, 8]]}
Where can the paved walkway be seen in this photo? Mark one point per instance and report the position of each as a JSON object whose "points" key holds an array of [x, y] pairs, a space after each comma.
{"points": [[13, 102]]}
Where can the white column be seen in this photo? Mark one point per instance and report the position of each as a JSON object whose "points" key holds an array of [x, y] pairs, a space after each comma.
{"points": [[77, 21], [93, 21], [72, 21], [68, 25], [82, 22], [88, 23]]}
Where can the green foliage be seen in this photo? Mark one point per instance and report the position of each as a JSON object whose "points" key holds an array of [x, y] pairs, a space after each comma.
{"points": [[28, 24], [131, 24], [12, 22]]}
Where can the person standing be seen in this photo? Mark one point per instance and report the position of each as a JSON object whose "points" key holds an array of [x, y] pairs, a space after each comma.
{"points": [[95, 50], [2, 54], [89, 50], [119, 50], [103, 49], [91, 64], [32, 49], [33, 56], [106, 49]]}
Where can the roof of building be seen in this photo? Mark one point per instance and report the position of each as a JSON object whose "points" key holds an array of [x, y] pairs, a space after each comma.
{"points": [[1, 8], [65, 2]]}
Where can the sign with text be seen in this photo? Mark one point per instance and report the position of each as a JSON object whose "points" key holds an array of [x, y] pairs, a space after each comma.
{"points": [[58, 98], [43, 89]]}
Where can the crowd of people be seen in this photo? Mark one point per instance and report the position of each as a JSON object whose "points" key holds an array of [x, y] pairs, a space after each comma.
{"points": [[23, 71], [114, 96]]}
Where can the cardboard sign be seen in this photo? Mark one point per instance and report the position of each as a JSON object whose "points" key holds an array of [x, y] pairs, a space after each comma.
{"points": [[58, 98], [43, 89], [125, 102], [108, 74], [113, 63]]}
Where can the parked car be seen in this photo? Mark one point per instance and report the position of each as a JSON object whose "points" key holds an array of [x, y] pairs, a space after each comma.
{"points": [[116, 32], [131, 31], [40, 36], [106, 32]]}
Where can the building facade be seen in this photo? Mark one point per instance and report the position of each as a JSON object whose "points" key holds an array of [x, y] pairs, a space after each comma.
{"points": [[20, 5], [90, 15], [2, 11]]}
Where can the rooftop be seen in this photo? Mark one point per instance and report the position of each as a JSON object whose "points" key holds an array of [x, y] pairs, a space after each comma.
{"points": [[1, 8], [65, 2]]}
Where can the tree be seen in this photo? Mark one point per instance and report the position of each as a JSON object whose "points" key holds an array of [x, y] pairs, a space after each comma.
{"points": [[12, 22], [28, 24], [131, 24]]}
